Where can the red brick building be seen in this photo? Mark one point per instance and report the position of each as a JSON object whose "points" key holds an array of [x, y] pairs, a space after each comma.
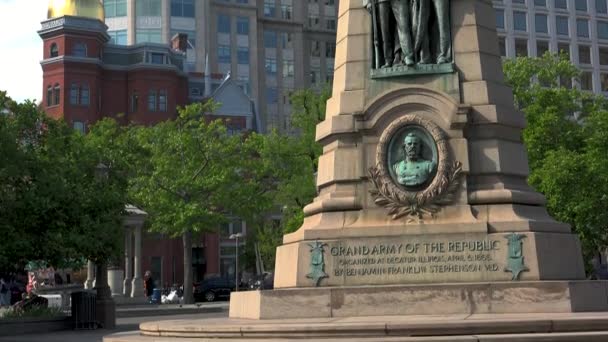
{"points": [[85, 79]]}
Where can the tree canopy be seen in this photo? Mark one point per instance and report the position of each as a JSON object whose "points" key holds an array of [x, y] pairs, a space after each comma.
{"points": [[567, 143], [54, 203]]}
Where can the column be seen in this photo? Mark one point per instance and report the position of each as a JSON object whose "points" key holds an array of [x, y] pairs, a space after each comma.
{"points": [[88, 284], [128, 260], [165, 13], [137, 289], [131, 22]]}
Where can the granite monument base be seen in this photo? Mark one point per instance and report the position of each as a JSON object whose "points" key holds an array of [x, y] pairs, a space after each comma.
{"points": [[554, 327], [423, 299]]}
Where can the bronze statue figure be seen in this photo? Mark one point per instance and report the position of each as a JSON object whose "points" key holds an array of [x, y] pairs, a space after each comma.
{"points": [[406, 32], [413, 170], [392, 30]]}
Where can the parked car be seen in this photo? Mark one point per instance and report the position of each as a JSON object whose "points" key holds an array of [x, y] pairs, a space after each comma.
{"points": [[213, 288], [262, 282]]}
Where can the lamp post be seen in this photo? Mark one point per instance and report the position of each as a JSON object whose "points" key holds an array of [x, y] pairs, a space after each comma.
{"points": [[236, 271]]}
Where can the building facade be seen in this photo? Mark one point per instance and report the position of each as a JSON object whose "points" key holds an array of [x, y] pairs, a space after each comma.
{"points": [[86, 77], [270, 47], [577, 27]]}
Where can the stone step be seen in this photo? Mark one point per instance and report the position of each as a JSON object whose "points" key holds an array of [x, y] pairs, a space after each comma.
{"points": [[583, 327], [596, 336]]}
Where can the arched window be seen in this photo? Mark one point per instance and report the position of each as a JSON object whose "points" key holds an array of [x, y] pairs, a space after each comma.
{"points": [[56, 94], [84, 95], [162, 101], [54, 50], [79, 50], [49, 96], [74, 94]]}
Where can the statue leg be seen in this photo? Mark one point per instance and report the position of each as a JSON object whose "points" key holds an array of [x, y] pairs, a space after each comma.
{"points": [[442, 9], [387, 36], [401, 9]]}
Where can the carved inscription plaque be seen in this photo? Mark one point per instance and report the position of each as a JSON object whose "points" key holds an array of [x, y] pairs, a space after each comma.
{"points": [[417, 259]]}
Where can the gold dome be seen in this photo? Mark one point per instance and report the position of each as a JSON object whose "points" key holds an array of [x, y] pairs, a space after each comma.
{"points": [[79, 8]]}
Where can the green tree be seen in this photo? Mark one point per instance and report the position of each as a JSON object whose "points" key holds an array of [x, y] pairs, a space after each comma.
{"points": [[567, 143], [286, 170], [53, 201], [191, 177]]}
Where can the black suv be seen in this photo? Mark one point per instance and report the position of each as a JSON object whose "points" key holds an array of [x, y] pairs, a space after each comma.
{"points": [[213, 288]]}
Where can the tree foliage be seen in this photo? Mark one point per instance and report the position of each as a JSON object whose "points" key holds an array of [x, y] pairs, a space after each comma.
{"points": [[54, 205], [567, 143], [191, 176]]}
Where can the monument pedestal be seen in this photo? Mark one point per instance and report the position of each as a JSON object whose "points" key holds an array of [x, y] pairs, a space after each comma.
{"points": [[428, 299]]}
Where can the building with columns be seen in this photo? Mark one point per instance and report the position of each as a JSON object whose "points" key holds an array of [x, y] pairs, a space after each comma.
{"points": [[270, 47], [577, 27]]}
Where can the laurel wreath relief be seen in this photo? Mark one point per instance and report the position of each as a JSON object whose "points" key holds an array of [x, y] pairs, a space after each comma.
{"points": [[415, 204]]}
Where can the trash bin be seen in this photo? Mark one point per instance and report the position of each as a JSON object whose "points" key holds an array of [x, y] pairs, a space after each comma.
{"points": [[84, 310], [156, 296]]}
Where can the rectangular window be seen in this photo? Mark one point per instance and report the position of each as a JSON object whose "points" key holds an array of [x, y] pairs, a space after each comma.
{"points": [[519, 21], [118, 37], [157, 58], [330, 50], [561, 25], [148, 36], [223, 23], [269, 8], [586, 80], [580, 5], [242, 25], [286, 40], [582, 28], [84, 95], [152, 100], [519, 1], [602, 29], [540, 3], [600, 6], [330, 24], [270, 39], [223, 54], [584, 54], [288, 68], [603, 55], [562, 4], [115, 8], [148, 8], [500, 19], [286, 12], [271, 95], [604, 81], [540, 23], [270, 65], [563, 48], [182, 8], [242, 55], [74, 94], [162, 101], [541, 48], [502, 47], [315, 48], [521, 47]]}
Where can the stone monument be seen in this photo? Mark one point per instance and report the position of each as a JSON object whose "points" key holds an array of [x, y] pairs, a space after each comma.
{"points": [[423, 206], [422, 181]]}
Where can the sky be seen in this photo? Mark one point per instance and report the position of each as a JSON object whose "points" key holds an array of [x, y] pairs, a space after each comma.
{"points": [[20, 71]]}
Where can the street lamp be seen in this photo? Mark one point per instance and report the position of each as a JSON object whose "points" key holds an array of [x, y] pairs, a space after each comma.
{"points": [[236, 271]]}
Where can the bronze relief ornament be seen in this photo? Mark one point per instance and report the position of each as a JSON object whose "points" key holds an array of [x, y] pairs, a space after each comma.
{"points": [[420, 184]]}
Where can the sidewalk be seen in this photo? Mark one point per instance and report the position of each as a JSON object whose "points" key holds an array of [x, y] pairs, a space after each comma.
{"points": [[147, 310]]}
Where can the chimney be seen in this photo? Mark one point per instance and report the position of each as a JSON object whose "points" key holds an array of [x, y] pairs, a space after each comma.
{"points": [[180, 42]]}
